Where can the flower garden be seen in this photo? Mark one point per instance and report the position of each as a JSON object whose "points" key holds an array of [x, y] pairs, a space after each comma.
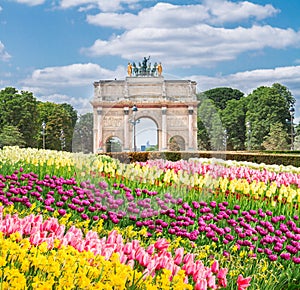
{"points": [[74, 221]]}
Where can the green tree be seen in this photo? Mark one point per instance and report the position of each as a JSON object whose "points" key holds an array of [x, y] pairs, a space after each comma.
{"points": [[72, 112], [83, 134], [233, 119], [19, 110], [277, 138], [220, 96], [59, 130], [266, 106], [11, 136], [210, 129]]}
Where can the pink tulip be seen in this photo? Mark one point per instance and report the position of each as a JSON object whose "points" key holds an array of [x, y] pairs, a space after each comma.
{"points": [[211, 282], [150, 249], [161, 244], [215, 267], [222, 277], [201, 284], [188, 258], [243, 283], [178, 256], [142, 257]]}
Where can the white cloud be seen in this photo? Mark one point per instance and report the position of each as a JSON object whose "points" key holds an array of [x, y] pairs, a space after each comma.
{"points": [[4, 55], [103, 5], [48, 84], [247, 81], [166, 30], [73, 3], [203, 45], [82, 105], [74, 75], [31, 2], [164, 15], [225, 11]]}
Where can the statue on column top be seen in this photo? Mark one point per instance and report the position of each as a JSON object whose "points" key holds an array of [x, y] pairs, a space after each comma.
{"points": [[129, 69]]}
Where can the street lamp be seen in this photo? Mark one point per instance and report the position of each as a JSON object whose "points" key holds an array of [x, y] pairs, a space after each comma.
{"points": [[292, 112], [248, 126], [62, 139], [134, 122], [43, 133]]}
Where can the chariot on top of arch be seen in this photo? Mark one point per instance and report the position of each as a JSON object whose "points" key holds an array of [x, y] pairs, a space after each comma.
{"points": [[144, 68]]}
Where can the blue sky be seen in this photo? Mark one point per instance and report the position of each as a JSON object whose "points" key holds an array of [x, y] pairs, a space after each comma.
{"points": [[57, 49]]}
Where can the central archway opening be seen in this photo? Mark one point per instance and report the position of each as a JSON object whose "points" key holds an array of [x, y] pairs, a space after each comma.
{"points": [[146, 135]]}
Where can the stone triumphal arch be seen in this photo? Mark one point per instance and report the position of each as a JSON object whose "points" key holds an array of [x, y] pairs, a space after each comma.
{"points": [[119, 104]]}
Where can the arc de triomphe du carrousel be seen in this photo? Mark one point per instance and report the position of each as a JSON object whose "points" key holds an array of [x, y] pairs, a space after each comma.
{"points": [[118, 105]]}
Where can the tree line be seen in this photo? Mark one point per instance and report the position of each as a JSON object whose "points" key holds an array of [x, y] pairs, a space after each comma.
{"points": [[227, 120], [262, 120], [27, 122]]}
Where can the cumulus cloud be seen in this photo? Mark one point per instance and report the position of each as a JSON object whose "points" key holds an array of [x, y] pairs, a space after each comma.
{"points": [[166, 30], [103, 5], [225, 11], [203, 45], [47, 84], [31, 2], [4, 55], [247, 81], [74, 75], [161, 15], [82, 105], [169, 15]]}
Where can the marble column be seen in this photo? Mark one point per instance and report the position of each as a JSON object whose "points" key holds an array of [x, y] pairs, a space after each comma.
{"points": [[126, 129], [164, 129], [190, 128], [100, 144]]}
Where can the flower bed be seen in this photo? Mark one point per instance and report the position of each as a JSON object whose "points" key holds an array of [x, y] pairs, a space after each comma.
{"points": [[198, 224]]}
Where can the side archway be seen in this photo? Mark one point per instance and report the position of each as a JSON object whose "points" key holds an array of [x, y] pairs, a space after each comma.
{"points": [[113, 144], [176, 143]]}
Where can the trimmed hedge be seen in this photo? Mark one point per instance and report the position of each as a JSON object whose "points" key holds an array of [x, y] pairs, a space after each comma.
{"points": [[286, 158]]}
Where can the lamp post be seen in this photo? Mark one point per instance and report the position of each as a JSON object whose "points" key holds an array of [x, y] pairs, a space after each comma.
{"points": [[62, 139], [43, 133], [292, 112], [248, 126], [133, 121]]}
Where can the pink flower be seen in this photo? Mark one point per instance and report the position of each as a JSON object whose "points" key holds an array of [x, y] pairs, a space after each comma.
{"points": [[201, 284], [222, 277], [161, 244], [215, 267], [150, 249], [178, 256], [243, 283]]}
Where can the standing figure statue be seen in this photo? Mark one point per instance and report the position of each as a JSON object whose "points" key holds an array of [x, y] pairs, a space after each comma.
{"points": [[144, 67], [129, 69], [159, 69], [135, 69], [153, 70]]}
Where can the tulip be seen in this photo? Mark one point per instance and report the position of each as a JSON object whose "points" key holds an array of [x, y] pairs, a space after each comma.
{"points": [[201, 284], [243, 283], [215, 267], [222, 281]]}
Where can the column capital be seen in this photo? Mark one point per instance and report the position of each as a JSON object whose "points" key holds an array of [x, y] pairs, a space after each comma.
{"points": [[126, 110], [164, 110]]}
